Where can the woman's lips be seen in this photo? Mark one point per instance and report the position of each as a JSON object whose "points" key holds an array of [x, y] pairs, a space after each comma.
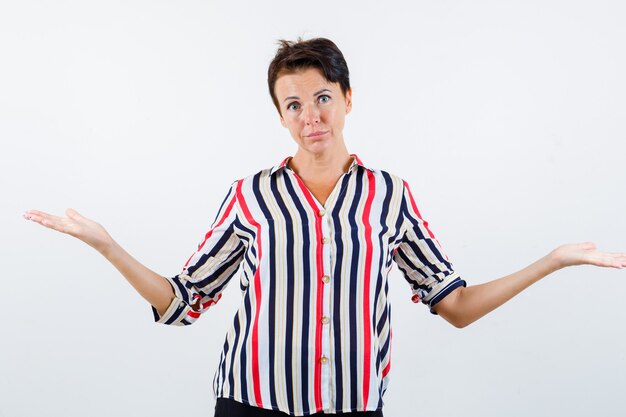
{"points": [[315, 134]]}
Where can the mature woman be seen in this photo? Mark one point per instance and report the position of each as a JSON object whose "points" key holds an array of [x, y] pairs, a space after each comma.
{"points": [[315, 237]]}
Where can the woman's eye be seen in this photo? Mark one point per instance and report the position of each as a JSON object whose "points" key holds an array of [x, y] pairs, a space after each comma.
{"points": [[292, 106], [324, 99]]}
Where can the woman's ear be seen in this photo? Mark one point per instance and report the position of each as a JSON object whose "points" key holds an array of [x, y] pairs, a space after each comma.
{"points": [[348, 100]]}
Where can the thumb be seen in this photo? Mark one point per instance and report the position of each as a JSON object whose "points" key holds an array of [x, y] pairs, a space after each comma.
{"points": [[588, 245], [73, 214]]}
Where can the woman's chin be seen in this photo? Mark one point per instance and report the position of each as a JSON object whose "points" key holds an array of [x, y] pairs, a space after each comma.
{"points": [[325, 139], [317, 146]]}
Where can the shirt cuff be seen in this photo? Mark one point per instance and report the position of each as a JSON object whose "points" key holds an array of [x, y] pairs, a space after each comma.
{"points": [[446, 289], [177, 309]]}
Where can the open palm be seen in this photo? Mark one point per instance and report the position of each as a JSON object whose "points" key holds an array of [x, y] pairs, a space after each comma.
{"points": [[586, 254], [75, 225]]}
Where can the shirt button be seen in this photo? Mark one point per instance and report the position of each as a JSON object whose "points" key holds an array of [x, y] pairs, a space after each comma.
{"points": [[325, 320], [323, 360], [321, 212], [326, 279], [182, 304], [325, 241], [415, 298]]}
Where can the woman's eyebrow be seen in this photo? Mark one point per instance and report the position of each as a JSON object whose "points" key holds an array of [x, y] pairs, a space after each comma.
{"points": [[321, 91], [314, 95]]}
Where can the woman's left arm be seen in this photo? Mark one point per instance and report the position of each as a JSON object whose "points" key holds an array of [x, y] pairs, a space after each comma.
{"points": [[465, 305]]}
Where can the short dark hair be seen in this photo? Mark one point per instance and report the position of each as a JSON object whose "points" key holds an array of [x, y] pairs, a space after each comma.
{"points": [[318, 53]]}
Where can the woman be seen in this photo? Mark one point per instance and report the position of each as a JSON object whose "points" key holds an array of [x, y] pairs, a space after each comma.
{"points": [[315, 237]]}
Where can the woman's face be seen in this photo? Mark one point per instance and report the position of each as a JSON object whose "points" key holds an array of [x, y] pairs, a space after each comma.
{"points": [[313, 109]]}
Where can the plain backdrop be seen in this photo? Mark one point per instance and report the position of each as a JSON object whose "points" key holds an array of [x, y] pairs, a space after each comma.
{"points": [[505, 117]]}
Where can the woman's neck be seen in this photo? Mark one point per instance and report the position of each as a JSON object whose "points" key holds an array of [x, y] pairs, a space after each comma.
{"points": [[320, 166]]}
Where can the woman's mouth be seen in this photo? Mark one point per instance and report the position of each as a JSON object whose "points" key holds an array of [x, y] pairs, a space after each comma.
{"points": [[316, 134]]}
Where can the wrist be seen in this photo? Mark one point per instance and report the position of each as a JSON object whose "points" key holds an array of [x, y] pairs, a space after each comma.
{"points": [[108, 248], [554, 261]]}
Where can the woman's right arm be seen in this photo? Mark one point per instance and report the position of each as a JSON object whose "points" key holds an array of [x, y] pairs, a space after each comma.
{"points": [[150, 285]]}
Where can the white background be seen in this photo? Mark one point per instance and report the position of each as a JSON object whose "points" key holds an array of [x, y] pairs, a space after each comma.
{"points": [[505, 117]]}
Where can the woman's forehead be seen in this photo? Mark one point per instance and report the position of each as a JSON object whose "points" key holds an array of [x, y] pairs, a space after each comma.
{"points": [[302, 82]]}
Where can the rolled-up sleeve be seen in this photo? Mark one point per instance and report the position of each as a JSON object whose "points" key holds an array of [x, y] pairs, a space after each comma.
{"points": [[421, 259], [208, 270]]}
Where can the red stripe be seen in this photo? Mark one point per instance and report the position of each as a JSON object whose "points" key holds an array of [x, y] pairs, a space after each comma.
{"points": [[210, 232], [209, 303], [320, 294], [406, 185], [366, 287], [432, 236], [358, 160], [282, 164], [387, 368], [257, 296], [193, 313]]}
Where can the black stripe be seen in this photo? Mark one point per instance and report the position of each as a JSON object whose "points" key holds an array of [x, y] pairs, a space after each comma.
{"points": [[406, 266], [246, 235], [289, 281], [214, 251], [184, 293], [353, 279], [270, 248], [383, 255], [306, 292], [231, 371], [243, 363], [458, 282], [218, 380], [417, 227], [417, 251], [231, 190], [176, 315], [234, 258]]}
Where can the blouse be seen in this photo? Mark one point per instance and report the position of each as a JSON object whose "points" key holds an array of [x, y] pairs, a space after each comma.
{"points": [[313, 331]]}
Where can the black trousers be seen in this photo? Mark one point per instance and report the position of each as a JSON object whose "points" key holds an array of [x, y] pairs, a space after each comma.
{"points": [[225, 407]]}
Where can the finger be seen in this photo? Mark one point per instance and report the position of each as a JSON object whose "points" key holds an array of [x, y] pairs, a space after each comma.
{"points": [[611, 260], [621, 261], [35, 212], [42, 217], [615, 256], [44, 220], [34, 216], [50, 221]]}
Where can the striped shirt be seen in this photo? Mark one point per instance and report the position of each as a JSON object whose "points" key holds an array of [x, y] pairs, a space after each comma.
{"points": [[313, 332]]}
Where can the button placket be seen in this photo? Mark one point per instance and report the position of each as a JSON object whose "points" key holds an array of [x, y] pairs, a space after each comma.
{"points": [[324, 318]]}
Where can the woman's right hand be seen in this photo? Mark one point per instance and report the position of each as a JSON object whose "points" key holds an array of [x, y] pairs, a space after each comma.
{"points": [[87, 230]]}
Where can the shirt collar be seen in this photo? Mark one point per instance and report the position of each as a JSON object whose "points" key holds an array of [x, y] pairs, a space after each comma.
{"points": [[356, 161]]}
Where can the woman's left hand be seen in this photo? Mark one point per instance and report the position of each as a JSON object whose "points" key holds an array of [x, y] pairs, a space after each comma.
{"points": [[586, 254]]}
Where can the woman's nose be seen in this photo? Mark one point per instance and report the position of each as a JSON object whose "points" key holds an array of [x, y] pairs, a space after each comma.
{"points": [[311, 114]]}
